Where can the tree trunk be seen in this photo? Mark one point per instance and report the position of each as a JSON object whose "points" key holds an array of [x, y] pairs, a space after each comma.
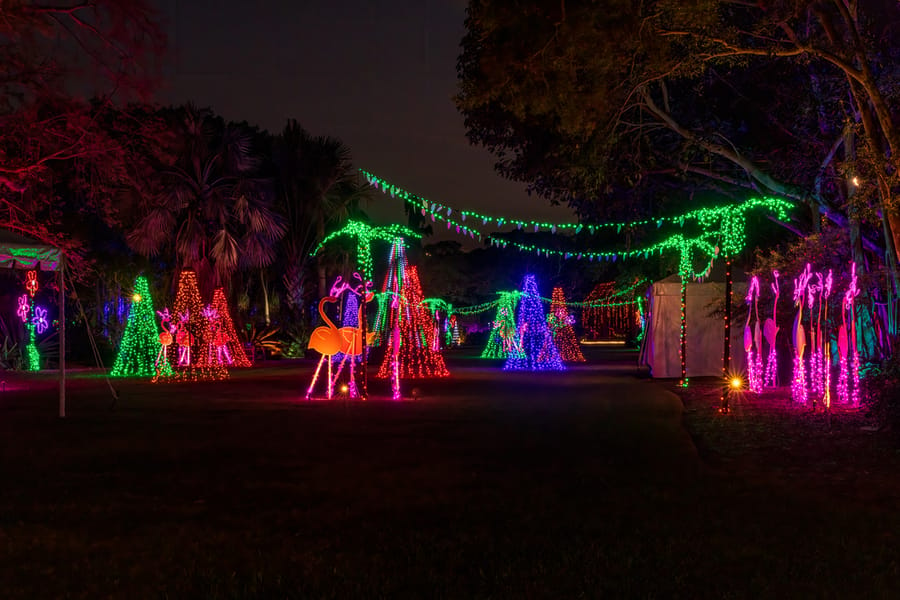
{"points": [[265, 291], [320, 268]]}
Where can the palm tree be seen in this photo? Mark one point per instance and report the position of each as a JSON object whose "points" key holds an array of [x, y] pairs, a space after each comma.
{"points": [[317, 189], [214, 213]]}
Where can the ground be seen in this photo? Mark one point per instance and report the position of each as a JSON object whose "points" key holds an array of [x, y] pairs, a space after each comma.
{"points": [[597, 482]]}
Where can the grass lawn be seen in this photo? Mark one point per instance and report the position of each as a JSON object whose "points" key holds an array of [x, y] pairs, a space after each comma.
{"points": [[489, 485]]}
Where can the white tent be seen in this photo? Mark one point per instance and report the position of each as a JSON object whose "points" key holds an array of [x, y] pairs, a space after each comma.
{"points": [[20, 252], [705, 329]]}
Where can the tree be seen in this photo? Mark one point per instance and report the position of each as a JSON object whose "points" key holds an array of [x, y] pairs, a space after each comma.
{"points": [[140, 352], [214, 214], [318, 189], [590, 103], [539, 352], [51, 53]]}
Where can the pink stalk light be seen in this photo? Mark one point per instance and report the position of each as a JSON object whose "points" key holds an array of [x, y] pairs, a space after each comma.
{"points": [[823, 336], [771, 332], [816, 376], [751, 341], [798, 384], [847, 345]]}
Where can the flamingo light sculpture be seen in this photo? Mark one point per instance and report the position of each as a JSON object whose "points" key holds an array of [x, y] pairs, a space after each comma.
{"points": [[327, 342]]}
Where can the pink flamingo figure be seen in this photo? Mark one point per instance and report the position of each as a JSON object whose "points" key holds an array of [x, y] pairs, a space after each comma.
{"points": [[166, 336], [184, 339], [770, 330], [327, 342]]}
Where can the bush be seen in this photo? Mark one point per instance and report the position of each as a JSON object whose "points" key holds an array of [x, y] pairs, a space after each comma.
{"points": [[880, 392]]}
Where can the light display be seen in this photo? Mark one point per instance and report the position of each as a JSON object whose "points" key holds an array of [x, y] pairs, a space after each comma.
{"points": [[732, 217], [166, 337], [365, 234], [453, 330], [753, 339], [350, 319], [227, 337], [610, 313], [847, 348], [25, 311], [770, 330], [560, 323], [540, 353], [798, 383], [139, 348], [327, 341], [504, 340], [390, 314], [815, 373], [415, 358], [40, 320], [190, 338], [824, 342]]}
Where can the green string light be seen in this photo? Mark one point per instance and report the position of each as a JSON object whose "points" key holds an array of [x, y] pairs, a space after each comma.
{"points": [[140, 345], [727, 214], [365, 234]]}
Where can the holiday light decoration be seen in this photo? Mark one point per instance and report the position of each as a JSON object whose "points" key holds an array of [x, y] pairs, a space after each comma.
{"points": [[190, 339], [560, 323], [326, 341], [504, 340], [166, 338], [351, 308], [389, 321], [365, 234], [26, 313], [453, 330], [824, 343], [540, 353], [139, 349], [415, 359], [753, 338], [605, 318], [847, 348], [31, 282], [799, 383], [734, 214], [352, 342], [770, 330], [40, 320], [227, 338], [24, 307]]}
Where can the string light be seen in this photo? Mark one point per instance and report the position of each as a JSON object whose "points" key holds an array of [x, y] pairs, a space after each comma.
{"points": [[30, 351], [752, 339], [139, 349], [560, 322], [504, 339], [540, 353], [706, 216], [365, 234], [416, 358], [770, 330], [227, 332], [798, 383]]}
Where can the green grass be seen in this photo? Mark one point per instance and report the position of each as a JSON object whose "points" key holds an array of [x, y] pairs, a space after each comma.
{"points": [[492, 485]]}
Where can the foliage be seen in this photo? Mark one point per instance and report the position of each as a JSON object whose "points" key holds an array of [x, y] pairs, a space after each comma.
{"points": [[264, 338], [51, 54], [610, 108], [214, 212], [296, 339], [880, 383]]}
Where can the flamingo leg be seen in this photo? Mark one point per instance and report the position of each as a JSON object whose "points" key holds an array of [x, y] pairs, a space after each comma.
{"points": [[315, 377]]}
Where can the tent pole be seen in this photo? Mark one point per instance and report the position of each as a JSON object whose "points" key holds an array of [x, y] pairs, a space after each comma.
{"points": [[62, 336]]}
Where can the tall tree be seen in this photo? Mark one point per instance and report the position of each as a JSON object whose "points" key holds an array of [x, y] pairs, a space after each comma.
{"points": [[588, 102], [214, 213], [318, 190], [51, 54]]}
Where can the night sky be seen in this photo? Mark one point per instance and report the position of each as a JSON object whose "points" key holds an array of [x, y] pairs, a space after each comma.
{"points": [[380, 79]]}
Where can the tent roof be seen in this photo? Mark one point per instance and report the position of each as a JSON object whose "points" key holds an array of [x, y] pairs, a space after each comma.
{"points": [[20, 252]]}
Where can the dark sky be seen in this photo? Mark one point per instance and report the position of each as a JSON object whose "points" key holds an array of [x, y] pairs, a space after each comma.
{"points": [[380, 79]]}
